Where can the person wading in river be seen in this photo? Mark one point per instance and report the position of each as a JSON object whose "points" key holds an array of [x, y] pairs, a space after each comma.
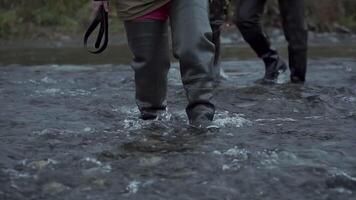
{"points": [[146, 25], [218, 14], [249, 13]]}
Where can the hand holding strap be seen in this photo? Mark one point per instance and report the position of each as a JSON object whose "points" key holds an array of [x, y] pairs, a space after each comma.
{"points": [[102, 19]]}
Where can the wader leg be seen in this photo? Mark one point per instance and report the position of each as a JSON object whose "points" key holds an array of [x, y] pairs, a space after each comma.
{"points": [[193, 47], [249, 14], [295, 29], [148, 41]]}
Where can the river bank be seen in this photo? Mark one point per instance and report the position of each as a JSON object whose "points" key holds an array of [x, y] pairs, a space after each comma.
{"points": [[230, 35]]}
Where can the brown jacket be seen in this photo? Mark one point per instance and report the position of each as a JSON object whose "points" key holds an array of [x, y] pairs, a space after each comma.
{"points": [[131, 9]]}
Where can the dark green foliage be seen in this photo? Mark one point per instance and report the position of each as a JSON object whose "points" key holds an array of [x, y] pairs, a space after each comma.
{"points": [[41, 17], [38, 18]]}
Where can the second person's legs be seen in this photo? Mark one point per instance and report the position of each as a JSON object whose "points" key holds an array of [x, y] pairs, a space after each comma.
{"points": [[295, 29], [249, 16]]}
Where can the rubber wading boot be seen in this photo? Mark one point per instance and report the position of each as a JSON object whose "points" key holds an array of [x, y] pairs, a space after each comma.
{"points": [[274, 66], [296, 31], [148, 41], [298, 66]]}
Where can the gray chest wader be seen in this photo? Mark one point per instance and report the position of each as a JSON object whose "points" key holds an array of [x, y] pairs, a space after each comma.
{"points": [[192, 46], [249, 14]]}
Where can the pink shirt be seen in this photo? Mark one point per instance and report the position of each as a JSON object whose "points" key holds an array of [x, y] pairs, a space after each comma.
{"points": [[161, 13]]}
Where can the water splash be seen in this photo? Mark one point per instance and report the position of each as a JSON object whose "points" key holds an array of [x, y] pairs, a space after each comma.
{"points": [[277, 119], [133, 124], [59, 92], [238, 156], [283, 78], [53, 131], [127, 110], [174, 77], [227, 119], [106, 168], [50, 91], [48, 80], [15, 174], [133, 187], [72, 68], [349, 99], [341, 181], [41, 164]]}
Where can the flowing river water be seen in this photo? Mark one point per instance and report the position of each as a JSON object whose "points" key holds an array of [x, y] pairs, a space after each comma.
{"points": [[69, 130]]}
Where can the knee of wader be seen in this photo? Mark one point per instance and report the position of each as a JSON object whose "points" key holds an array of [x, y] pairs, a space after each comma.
{"points": [[196, 55], [151, 61], [195, 49]]}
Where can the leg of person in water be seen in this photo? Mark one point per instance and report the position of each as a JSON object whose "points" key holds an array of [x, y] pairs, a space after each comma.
{"points": [[295, 29], [193, 47], [148, 41], [249, 14], [217, 16]]}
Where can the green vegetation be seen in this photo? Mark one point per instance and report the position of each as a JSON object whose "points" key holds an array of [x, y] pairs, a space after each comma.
{"points": [[44, 18], [52, 18]]}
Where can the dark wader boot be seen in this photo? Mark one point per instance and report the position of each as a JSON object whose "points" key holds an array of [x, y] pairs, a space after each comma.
{"points": [[193, 47], [218, 14], [292, 12], [148, 41]]}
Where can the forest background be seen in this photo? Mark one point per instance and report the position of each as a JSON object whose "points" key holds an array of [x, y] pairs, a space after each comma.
{"points": [[52, 19]]}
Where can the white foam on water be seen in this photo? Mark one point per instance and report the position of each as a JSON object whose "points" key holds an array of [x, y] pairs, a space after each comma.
{"points": [[48, 80], [103, 167], [268, 158], [226, 119], [133, 187], [342, 190], [337, 172], [237, 154], [314, 117], [79, 92], [41, 164], [72, 68], [241, 154], [87, 129], [217, 152], [348, 68], [50, 91], [283, 78], [130, 111], [273, 158], [349, 99], [343, 181], [225, 167], [53, 131], [174, 77], [131, 124], [277, 119], [58, 91], [16, 174]]}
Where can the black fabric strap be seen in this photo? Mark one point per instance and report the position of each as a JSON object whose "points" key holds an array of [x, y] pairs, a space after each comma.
{"points": [[102, 19]]}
